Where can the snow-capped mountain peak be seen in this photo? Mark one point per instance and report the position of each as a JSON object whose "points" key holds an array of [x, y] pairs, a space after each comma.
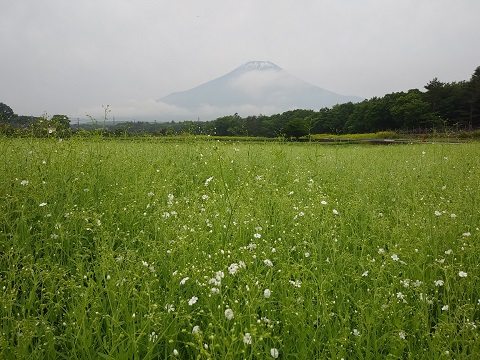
{"points": [[255, 87], [260, 65]]}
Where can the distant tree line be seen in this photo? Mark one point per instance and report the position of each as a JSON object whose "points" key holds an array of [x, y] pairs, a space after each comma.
{"points": [[12, 124], [455, 105]]}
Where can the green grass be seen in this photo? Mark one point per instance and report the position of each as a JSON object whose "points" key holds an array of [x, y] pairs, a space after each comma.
{"points": [[104, 244]]}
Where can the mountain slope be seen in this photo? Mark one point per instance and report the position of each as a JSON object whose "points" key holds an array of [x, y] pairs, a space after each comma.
{"points": [[260, 85]]}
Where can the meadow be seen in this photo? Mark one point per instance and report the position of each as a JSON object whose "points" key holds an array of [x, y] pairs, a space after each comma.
{"points": [[124, 249]]}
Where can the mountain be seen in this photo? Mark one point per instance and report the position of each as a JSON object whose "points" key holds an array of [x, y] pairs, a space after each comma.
{"points": [[253, 88]]}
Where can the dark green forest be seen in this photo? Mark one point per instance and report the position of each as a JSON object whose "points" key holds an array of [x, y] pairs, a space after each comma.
{"points": [[440, 105]]}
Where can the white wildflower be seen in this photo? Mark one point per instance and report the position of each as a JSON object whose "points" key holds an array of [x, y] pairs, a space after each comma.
{"points": [[266, 293], [219, 275], [153, 337], [401, 297], [208, 180], [247, 339], [229, 314], [193, 300], [274, 352]]}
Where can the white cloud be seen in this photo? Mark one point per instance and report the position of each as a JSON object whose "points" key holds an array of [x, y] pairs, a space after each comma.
{"points": [[256, 84], [138, 109], [150, 110]]}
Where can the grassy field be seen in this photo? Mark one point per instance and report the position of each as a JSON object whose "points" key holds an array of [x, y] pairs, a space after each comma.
{"points": [[226, 250]]}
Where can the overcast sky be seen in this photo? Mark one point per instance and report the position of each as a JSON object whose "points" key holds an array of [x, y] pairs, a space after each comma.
{"points": [[72, 57]]}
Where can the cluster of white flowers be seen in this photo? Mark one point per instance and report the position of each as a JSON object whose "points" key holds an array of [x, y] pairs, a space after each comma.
{"points": [[267, 262], [234, 267], [149, 266], [296, 283]]}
